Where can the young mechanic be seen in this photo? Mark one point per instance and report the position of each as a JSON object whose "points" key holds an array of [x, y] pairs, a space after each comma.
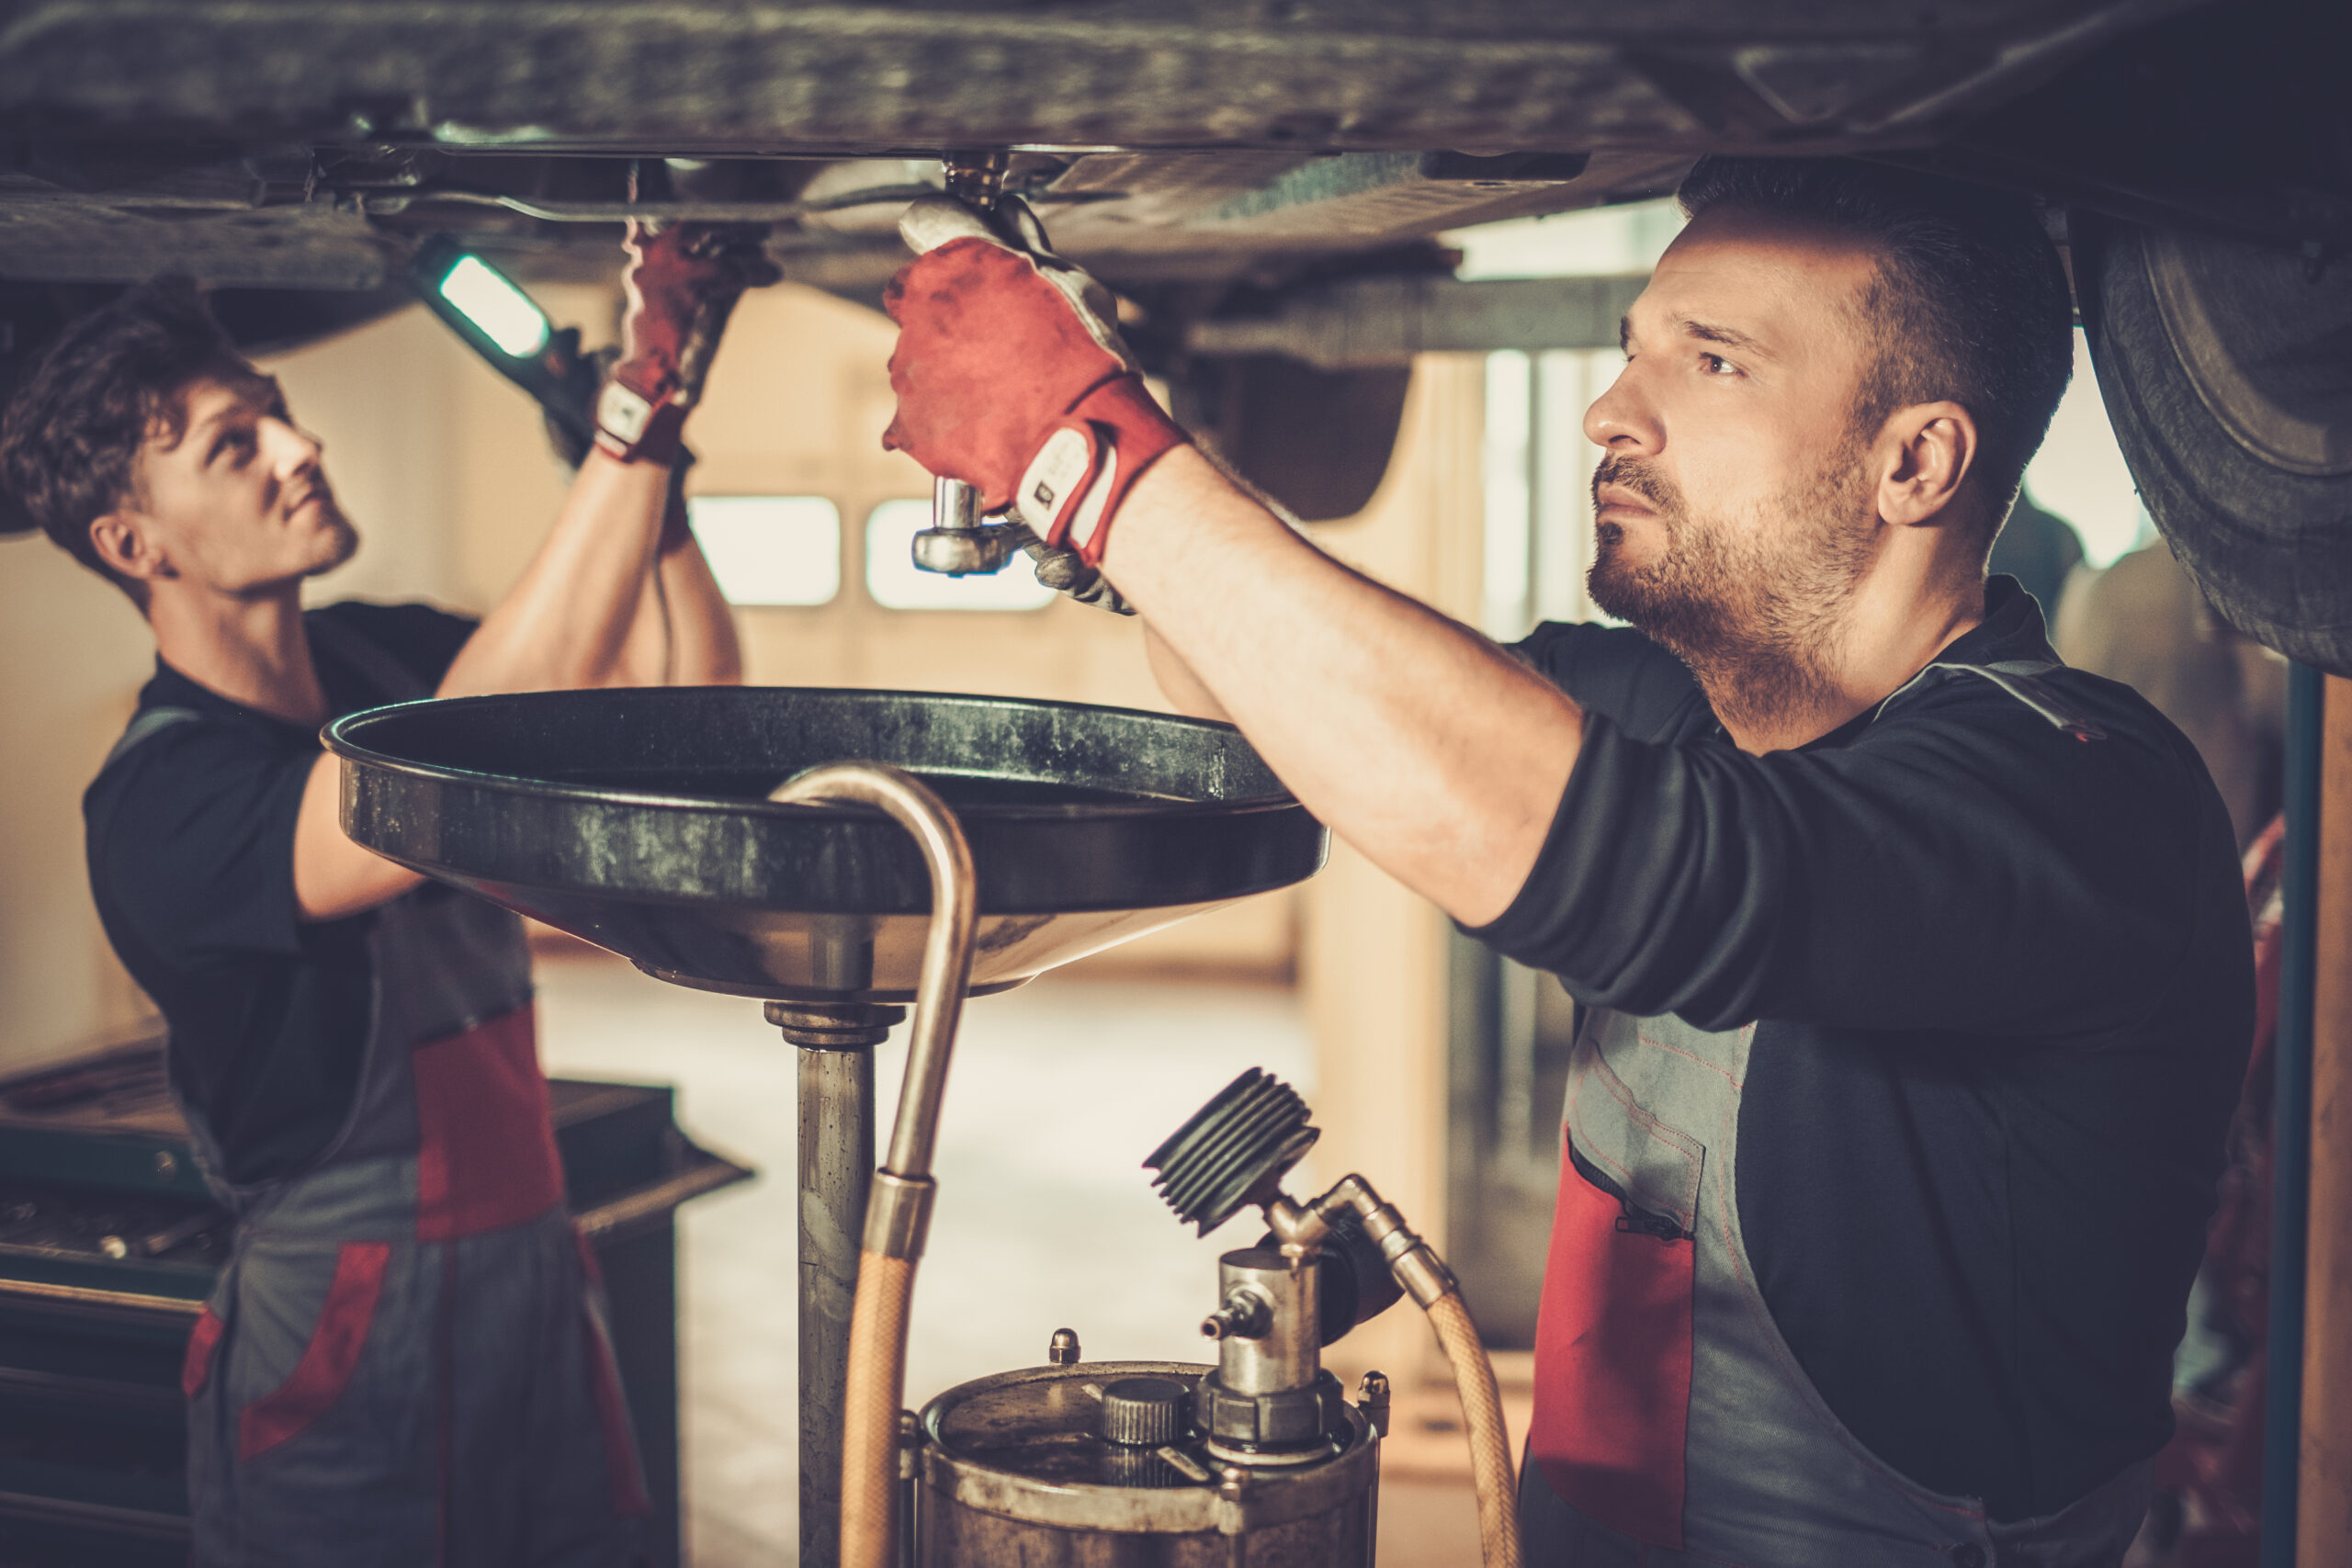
{"points": [[404, 1362], [1914, 968]]}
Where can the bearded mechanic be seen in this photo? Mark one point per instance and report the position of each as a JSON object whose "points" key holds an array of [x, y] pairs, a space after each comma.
{"points": [[405, 1360], [1914, 967]]}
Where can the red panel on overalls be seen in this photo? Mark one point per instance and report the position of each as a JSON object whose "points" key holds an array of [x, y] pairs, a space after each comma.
{"points": [[330, 1358], [486, 1155], [196, 1365], [1612, 1359]]}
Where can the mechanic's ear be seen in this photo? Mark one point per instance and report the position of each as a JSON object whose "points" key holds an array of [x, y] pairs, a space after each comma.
{"points": [[125, 541], [1928, 449]]}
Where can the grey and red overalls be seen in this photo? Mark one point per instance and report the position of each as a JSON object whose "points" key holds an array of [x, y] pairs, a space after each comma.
{"points": [[405, 1360], [1673, 1425]]}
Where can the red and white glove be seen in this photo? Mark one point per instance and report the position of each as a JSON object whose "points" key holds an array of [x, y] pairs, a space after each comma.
{"points": [[682, 282], [1011, 377]]}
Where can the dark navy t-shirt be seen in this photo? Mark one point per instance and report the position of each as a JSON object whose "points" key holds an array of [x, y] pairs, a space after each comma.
{"points": [[190, 836], [2004, 988]]}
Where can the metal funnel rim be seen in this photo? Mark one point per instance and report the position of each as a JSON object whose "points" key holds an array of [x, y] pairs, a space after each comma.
{"points": [[339, 737]]}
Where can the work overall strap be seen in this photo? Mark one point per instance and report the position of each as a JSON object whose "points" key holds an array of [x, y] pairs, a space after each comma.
{"points": [[151, 722]]}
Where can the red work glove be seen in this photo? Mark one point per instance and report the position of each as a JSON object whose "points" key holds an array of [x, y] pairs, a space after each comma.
{"points": [[683, 281], [1011, 377]]}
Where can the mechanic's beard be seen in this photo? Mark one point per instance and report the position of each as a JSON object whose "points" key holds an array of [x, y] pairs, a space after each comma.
{"points": [[347, 539], [1755, 612], [343, 541]]}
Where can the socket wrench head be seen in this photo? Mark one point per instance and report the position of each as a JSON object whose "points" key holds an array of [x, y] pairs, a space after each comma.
{"points": [[964, 552]]}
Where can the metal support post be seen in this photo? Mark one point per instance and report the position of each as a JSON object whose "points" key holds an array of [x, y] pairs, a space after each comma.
{"points": [[836, 1166], [2291, 1119]]}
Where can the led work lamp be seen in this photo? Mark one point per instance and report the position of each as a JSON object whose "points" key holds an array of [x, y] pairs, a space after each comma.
{"points": [[490, 303], [498, 320]]}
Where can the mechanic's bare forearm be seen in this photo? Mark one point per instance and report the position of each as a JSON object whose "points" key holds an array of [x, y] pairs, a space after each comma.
{"points": [[645, 651], [1182, 687], [684, 632], [704, 649], [565, 623], [333, 876], [1425, 746]]}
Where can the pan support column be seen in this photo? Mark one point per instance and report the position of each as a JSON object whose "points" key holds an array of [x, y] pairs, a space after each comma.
{"points": [[2324, 1476], [835, 1043]]}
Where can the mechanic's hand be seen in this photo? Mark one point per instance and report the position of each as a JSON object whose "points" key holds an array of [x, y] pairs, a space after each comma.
{"points": [[1011, 377], [683, 281]]}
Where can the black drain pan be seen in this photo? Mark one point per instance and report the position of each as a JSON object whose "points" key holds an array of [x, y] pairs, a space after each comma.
{"points": [[637, 820]]}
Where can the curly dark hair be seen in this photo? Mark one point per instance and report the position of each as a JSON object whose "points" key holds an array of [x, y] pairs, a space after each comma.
{"points": [[70, 441], [1970, 302]]}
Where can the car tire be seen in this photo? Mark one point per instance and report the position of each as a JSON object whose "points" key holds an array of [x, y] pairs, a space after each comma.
{"points": [[1317, 441], [2226, 368]]}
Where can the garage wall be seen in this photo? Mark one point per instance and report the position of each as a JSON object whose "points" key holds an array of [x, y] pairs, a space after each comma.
{"points": [[1373, 967], [72, 654], [446, 470], [408, 418]]}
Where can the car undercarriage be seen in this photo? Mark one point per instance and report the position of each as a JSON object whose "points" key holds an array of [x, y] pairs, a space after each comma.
{"points": [[1251, 175]]}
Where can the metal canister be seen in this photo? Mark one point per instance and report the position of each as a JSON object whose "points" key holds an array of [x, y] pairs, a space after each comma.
{"points": [[1100, 1464]]}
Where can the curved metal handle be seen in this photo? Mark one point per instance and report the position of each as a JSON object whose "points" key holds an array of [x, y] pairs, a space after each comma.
{"points": [[947, 949]]}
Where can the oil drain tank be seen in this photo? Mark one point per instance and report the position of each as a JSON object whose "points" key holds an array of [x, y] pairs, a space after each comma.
{"points": [[1260, 1460], [1101, 1465]]}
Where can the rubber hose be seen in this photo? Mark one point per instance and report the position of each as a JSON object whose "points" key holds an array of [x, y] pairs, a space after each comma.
{"points": [[1482, 1413], [878, 1385]]}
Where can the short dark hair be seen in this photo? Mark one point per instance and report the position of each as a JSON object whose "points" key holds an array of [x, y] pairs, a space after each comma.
{"points": [[1971, 301], [69, 445]]}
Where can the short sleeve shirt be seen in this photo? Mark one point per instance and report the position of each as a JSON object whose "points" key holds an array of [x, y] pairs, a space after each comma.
{"points": [[190, 838]]}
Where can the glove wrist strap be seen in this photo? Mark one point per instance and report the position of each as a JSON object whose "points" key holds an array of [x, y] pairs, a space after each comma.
{"points": [[638, 429], [1074, 486]]}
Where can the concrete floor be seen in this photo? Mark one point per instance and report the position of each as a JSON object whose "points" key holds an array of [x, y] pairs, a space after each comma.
{"points": [[1045, 1220]]}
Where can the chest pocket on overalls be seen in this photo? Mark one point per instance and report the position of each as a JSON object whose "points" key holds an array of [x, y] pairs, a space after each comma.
{"points": [[1612, 1340]]}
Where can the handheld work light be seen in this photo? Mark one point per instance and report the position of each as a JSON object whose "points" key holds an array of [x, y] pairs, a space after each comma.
{"points": [[488, 300], [498, 320]]}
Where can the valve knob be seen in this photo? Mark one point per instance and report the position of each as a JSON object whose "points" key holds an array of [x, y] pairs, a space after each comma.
{"points": [[1145, 1411], [1235, 1150]]}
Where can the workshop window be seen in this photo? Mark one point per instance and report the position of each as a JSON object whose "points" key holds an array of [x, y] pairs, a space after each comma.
{"points": [[1535, 465], [2079, 473], [1536, 472], [893, 583], [771, 550]]}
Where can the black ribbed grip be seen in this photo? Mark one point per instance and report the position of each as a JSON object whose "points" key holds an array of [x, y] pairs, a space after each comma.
{"points": [[1145, 1412], [1234, 1151]]}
